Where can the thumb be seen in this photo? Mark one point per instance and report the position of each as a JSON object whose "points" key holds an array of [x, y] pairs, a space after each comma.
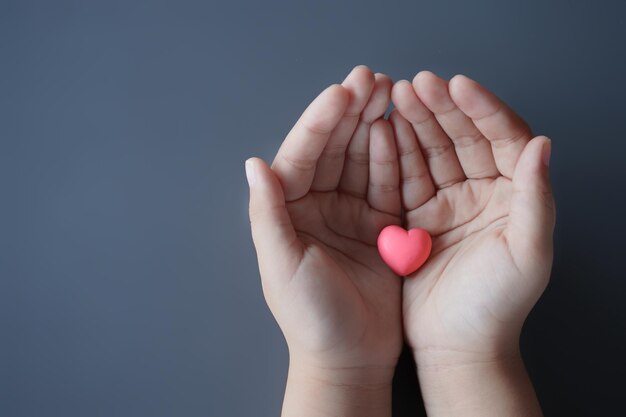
{"points": [[273, 234], [532, 212]]}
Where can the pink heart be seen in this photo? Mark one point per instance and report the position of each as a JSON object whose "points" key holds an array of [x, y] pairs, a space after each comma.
{"points": [[404, 251]]}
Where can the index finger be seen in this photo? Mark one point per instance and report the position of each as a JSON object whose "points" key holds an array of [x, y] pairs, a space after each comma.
{"points": [[506, 131], [297, 157]]}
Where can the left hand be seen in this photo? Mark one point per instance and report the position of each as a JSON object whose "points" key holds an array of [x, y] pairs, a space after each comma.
{"points": [[475, 178], [315, 218]]}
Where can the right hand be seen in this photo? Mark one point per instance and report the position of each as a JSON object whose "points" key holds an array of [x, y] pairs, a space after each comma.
{"points": [[476, 178]]}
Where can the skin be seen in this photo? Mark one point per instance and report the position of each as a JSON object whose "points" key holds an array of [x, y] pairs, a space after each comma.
{"points": [[452, 159], [477, 180], [315, 217]]}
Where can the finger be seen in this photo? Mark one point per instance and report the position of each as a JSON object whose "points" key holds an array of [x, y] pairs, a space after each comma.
{"points": [[297, 157], [383, 188], [532, 212], [360, 83], [443, 163], [506, 131], [471, 147], [380, 99], [355, 174], [416, 184], [272, 232]]}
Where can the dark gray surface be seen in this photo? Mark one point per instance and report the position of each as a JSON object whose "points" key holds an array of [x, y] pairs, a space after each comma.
{"points": [[128, 280]]}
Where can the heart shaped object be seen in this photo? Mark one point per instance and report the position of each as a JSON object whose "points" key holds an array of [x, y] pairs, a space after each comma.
{"points": [[404, 251]]}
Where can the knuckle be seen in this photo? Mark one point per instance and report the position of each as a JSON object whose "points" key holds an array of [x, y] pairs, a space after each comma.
{"points": [[299, 164], [434, 151], [383, 188], [509, 140], [334, 152], [466, 141], [415, 178], [359, 158]]}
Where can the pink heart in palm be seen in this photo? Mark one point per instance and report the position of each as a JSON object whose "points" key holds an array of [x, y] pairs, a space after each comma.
{"points": [[404, 251]]}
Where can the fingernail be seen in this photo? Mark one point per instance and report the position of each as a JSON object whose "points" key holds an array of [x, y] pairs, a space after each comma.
{"points": [[250, 172], [546, 152]]}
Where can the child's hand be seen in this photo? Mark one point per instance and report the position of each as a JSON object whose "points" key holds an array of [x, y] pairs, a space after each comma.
{"points": [[315, 216], [480, 186]]}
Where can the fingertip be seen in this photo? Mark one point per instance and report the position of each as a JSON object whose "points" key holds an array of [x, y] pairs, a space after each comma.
{"points": [[465, 93], [433, 91], [533, 161], [359, 84], [364, 66], [326, 110], [540, 141], [542, 138], [361, 73], [400, 83], [460, 78], [423, 78], [382, 77], [459, 82], [399, 89], [264, 181], [384, 82], [250, 167], [380, 126], [402, 93], [408, 103], [337, 93], [546, 150], [256, 170], [379, 99], [254, 160]]}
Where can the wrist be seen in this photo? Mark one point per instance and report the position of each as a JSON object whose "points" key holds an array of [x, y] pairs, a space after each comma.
{"points": [[476, 383], [434, 358], [344, 369], [320, 389], [442, 350]]}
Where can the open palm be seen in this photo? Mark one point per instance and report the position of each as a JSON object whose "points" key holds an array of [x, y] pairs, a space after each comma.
{"points": [[473, 176], [330, 191]]}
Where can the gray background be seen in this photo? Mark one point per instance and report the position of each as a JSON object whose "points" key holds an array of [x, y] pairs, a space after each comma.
{"points": [[128, 280]]}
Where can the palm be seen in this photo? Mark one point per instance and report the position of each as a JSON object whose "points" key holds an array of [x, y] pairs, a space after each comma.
{"points": [[455, 298], [459, 184], [341, 268]]}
